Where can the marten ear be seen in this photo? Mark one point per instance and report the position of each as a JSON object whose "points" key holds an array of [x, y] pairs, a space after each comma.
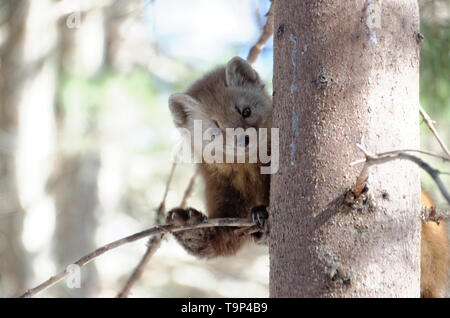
{"points": [[239, 73], [181, 105]]}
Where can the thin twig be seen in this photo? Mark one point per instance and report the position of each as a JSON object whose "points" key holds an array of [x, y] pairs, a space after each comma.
{"points": [[162, 207], [161, 229], [189, 189], [374, 159], [153, 243], [427, 119], [266, 33], [152, 246], [361, 180], [417, 151]]}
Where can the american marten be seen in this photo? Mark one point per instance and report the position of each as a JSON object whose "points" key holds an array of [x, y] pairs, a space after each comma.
{"points": [[235, 97]]}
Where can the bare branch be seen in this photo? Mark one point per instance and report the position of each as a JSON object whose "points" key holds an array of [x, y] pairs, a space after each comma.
{"points": [[152, 246], [155, 242], [374, 159], [429, 122], [189, 189], [266, 33], [162, 206], [362, 178], [417, 151], [157, 230]]}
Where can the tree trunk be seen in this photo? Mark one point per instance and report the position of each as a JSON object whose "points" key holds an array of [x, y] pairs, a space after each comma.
{"points": [[27, 90], [13, 269], [74, 188], [343, 71]]}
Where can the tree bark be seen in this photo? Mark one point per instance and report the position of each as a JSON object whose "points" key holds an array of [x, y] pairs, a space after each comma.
{"points": [[343, 71]]}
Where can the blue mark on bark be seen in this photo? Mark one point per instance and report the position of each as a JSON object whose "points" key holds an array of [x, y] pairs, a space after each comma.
{"points": [[293, 146], [293, 39], [295, 124]]}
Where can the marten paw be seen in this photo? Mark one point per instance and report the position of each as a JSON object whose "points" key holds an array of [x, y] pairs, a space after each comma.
{"points": [[187, 216], [259, 215]]}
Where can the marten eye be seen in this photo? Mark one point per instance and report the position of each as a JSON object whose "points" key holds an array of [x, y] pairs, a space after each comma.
{"points": [[246, 112]]}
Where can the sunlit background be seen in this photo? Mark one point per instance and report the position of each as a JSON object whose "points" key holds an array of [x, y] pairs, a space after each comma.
{"points": [[87, 141]]}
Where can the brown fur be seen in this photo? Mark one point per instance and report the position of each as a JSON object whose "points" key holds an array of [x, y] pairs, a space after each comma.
{"points": [[434, 256], [233, 189]]}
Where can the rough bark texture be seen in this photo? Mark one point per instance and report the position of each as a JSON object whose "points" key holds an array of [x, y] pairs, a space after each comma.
{"points": [[344, 70]]}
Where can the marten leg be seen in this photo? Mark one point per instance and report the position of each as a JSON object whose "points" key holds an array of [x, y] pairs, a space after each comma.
{"points": [[206, 242], [434, 256], [434, 260]]}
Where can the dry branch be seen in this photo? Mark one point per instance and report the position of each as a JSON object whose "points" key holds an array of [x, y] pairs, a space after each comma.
{"points": [[429, 122], [152, 246], [189, 189], [417, 151], [374, 159], [266, 33], [155, 242], [162, 206], [157, 230]]}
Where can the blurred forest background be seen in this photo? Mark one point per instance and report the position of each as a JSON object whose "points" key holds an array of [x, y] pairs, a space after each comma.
{"points": [[87, 141]]}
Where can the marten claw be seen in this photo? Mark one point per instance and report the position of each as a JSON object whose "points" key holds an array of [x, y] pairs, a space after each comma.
{"points": [[259, 215], [187, 216]]}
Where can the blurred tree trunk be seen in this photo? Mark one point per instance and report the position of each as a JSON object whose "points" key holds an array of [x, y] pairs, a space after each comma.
{"points": [[13, 269], [28, 77], [74, 180], [345, 70], [74, 187]]}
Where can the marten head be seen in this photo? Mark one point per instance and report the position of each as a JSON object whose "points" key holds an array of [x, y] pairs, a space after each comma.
{"points": [[228, 97]]}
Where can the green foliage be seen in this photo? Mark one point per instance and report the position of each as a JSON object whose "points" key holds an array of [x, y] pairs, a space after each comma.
{"points": [[435, 95], [99, 103]]}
